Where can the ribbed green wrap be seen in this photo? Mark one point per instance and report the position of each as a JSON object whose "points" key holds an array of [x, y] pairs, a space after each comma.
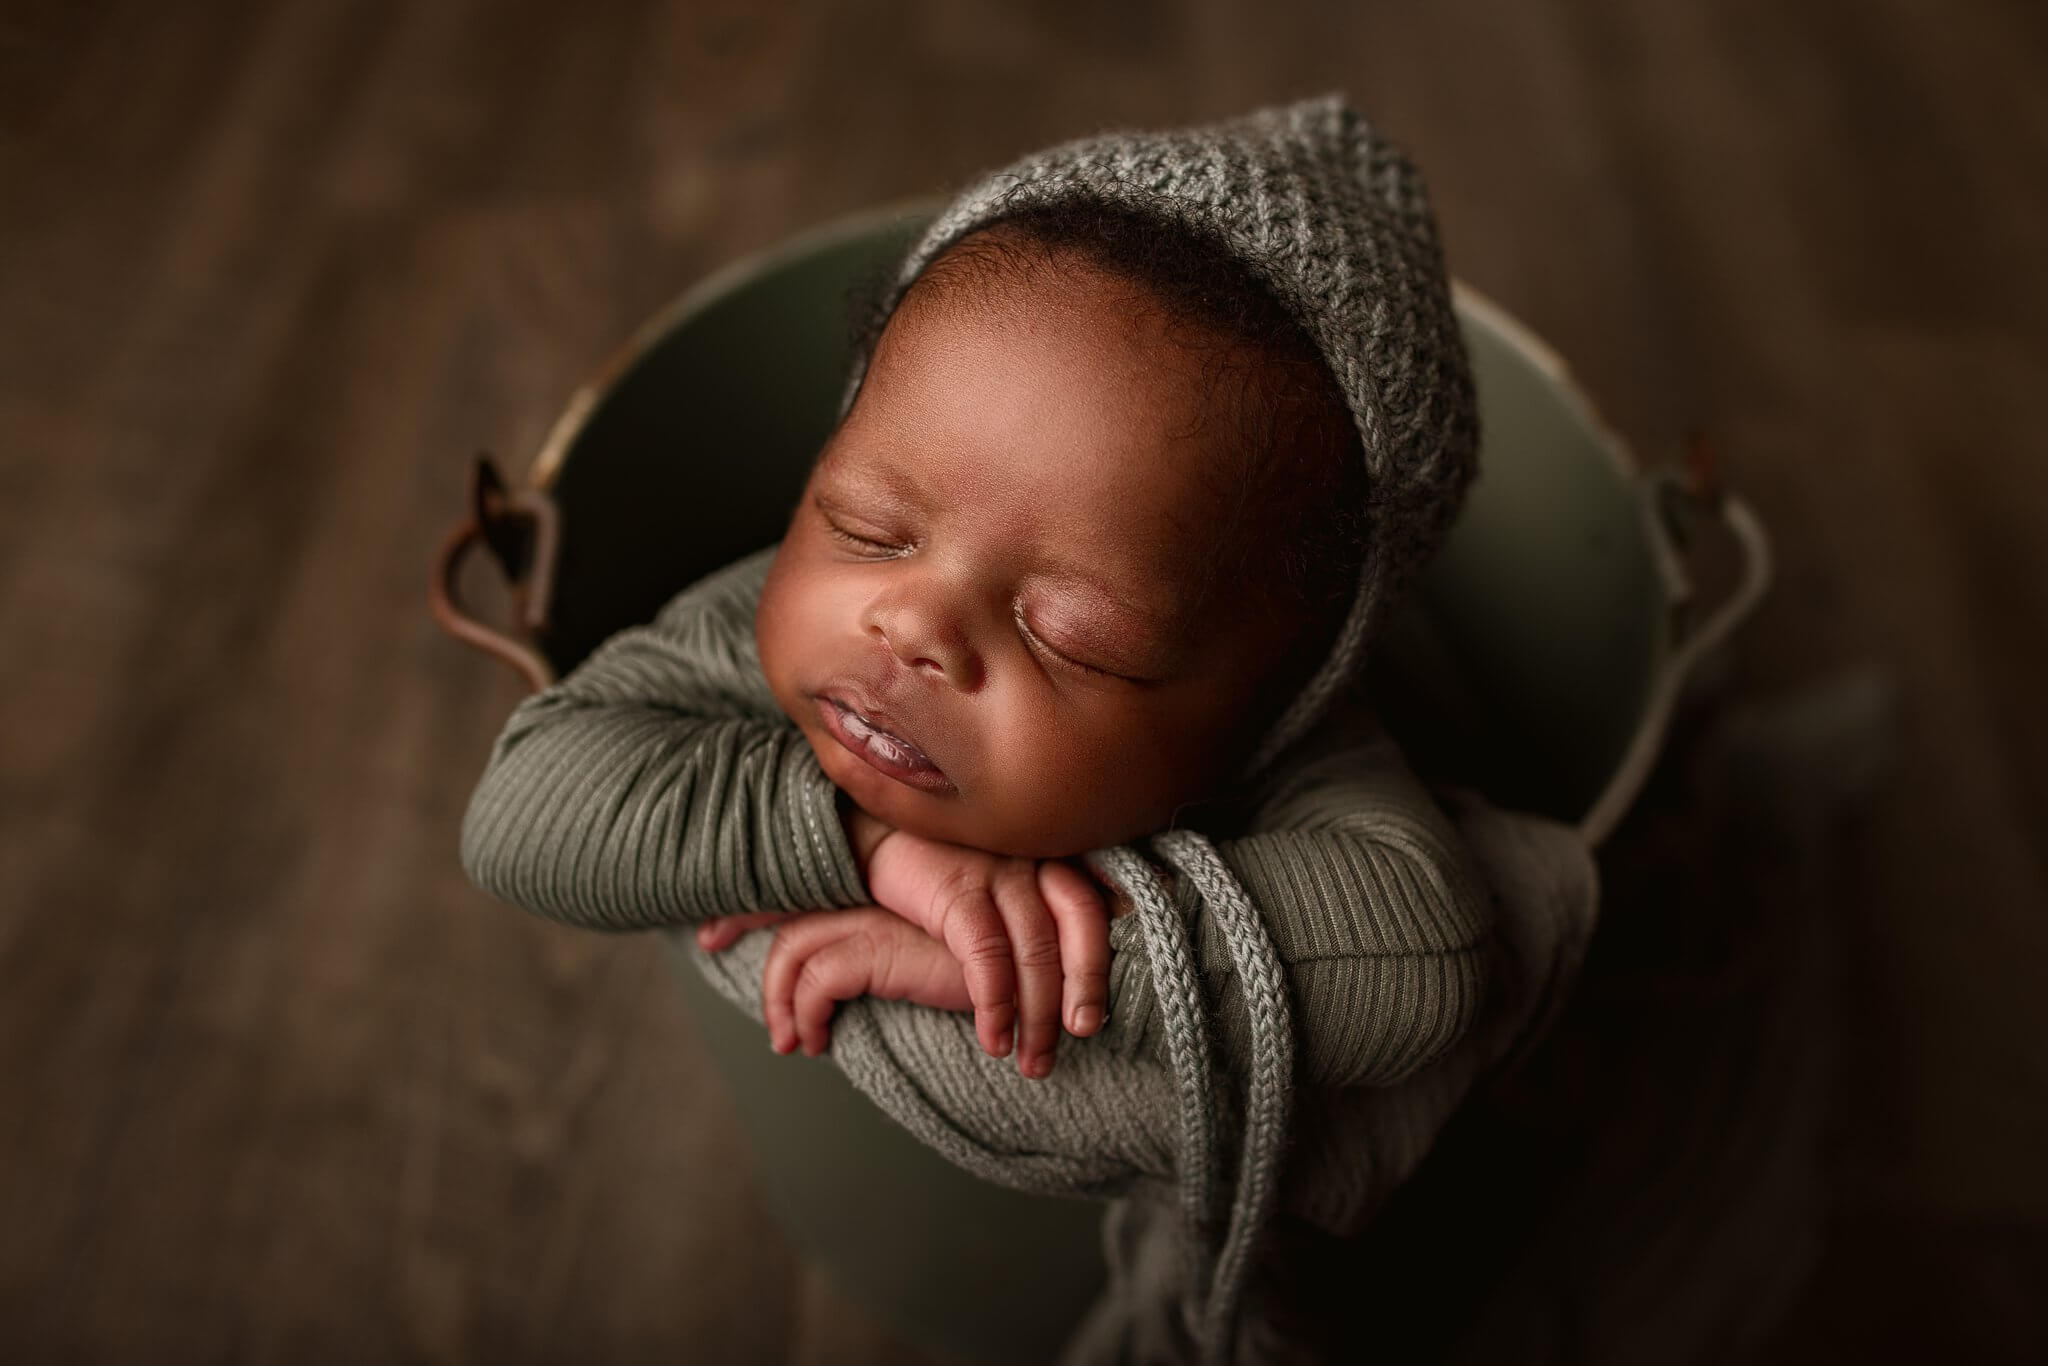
{"points": [[659, 785]]}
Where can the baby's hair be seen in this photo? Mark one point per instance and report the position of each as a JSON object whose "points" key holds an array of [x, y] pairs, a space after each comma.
{"points": [[1298, 498]]}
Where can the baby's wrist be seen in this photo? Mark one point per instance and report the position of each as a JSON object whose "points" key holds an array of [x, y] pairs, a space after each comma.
{"points": [[864, 833]]}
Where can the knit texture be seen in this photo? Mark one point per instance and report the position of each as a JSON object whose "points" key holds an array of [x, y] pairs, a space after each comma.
{"points": [[1333, 219]]}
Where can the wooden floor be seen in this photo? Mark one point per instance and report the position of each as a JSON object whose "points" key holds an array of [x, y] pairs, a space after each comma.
{"points": [[276, 1084]]}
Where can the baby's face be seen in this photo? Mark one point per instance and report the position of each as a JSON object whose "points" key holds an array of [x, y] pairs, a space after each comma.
{"points": [[992, 616]]}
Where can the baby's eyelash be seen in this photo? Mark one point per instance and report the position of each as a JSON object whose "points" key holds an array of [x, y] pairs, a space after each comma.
{"points": [[843, 534], [855, 539]]}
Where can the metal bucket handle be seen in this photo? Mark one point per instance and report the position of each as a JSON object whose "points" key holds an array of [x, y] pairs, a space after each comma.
{"points": [[522, 531], [1673, 498]]}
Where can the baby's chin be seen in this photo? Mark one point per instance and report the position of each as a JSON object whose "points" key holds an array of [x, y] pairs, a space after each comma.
{"points": [[1007, 837]]}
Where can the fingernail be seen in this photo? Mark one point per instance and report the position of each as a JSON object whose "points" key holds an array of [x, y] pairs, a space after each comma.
{"points": [[1087, 1019], [1038, 1068]]}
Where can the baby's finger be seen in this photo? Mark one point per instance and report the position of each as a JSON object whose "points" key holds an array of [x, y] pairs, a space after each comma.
{"points": [[1035, 947], [864, 952], [903, 963], [836, 972], [724, 932], [795, 942], [910, 965], [1082, 920], [972, 928]]}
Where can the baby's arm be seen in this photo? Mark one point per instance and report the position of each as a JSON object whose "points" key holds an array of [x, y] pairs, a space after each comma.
{"points": [[1375, 906], [1373, 902], [658, 784]]}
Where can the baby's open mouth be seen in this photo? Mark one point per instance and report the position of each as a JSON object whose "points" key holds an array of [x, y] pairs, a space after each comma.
{"points": [[883, 749]]}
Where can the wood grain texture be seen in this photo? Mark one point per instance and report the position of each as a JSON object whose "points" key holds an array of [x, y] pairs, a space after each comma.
{"points": [[280, 1086]]}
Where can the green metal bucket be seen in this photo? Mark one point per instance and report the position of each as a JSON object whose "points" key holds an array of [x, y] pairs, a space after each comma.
{"points": [[1538, 661]]}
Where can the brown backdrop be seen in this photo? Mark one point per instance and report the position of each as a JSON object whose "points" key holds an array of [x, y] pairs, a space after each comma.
{"points": [[276, 1084]]}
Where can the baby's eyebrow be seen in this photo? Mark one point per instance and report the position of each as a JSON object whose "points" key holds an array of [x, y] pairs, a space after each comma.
{"points": [[866, 478]]}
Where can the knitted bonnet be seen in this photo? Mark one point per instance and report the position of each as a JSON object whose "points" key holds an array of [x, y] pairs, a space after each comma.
{"points": [[1332, 219]]}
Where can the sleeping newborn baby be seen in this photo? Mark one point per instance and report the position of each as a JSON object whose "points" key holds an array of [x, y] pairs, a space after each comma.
{"points": [[1096, 514], [1087, 527], [1149, 435]]}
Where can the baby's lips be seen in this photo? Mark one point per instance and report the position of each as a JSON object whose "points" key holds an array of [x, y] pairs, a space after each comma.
{"points": [[877, 739], [886, 742]]}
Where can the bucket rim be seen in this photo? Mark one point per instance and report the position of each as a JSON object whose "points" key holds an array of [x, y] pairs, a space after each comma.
{"points": [[591, 394]]}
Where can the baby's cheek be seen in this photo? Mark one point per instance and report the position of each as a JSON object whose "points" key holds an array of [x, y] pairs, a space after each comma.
{"points": [[1149, 769], [1082, 787]]}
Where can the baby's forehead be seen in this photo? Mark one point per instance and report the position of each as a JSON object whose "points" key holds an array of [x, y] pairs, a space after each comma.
{"points": [[1065, 394], [1167, 390]]}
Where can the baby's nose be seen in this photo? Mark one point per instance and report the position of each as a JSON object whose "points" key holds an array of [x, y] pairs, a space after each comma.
{"points": [[927, 639]]}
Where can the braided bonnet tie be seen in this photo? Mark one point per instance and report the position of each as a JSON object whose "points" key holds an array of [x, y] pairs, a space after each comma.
{"points": [[1269, 1091]]}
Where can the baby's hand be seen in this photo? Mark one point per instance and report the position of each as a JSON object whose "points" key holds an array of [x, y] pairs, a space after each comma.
{"points": [[820, 958], [1012, 925]]}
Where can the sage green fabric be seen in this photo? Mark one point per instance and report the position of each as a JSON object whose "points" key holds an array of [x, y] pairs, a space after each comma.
{"points": [[659, 785]]}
